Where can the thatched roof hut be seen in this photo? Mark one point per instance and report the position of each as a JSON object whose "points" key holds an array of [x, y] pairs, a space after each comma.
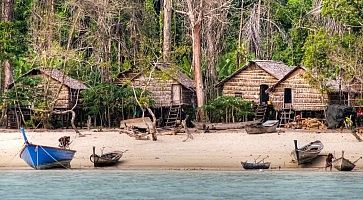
{"points": [[294, 91], [168, 86], [252, 80], [63, 88]]}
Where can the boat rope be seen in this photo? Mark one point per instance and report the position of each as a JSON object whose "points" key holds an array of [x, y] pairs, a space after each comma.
{"points": [[66, 167]]}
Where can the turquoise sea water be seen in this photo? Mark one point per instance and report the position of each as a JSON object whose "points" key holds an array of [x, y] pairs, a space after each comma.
{"points": [[112, 184]]}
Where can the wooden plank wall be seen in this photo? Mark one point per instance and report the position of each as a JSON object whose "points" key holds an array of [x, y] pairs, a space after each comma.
{"points": [[248, 83], [53, 86], [304, 96], [160, 89]]}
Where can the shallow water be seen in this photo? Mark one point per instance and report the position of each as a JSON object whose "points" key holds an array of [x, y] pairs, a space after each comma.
{"points": [[112, 184]]}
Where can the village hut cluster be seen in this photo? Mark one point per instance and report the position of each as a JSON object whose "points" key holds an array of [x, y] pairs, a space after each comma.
{"points": [[269, 85]]}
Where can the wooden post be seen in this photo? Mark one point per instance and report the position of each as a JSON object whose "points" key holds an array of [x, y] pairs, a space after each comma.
{"points": [[94, 156], [297, 152]]}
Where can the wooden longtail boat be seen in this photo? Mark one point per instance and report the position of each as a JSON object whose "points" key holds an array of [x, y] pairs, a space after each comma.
{"points": [[256, 165], [107, 159], [343, 164], [266, 127], [251, 165], [45, 157], [308, 152], [224, 126]]}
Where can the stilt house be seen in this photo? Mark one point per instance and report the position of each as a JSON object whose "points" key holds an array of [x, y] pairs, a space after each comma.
{"points": [[167, 86], [252, 80], [294, 92], [57, 87], [171, 90]]}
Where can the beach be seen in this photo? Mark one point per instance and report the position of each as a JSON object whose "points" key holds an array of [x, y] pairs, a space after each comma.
{"points": [[222, 150]]}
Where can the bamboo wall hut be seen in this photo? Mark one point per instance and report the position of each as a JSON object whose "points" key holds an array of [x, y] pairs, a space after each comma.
{"points": [[58, 86], [167, 86], [252, 80], [294, 91]]}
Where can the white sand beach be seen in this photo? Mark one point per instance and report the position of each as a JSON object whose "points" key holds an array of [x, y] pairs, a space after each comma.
{"points": [[222, 150]]}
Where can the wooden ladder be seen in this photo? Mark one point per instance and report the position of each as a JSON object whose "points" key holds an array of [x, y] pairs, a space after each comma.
{"points": [[261, 112], [173, 116], [286, 114]]}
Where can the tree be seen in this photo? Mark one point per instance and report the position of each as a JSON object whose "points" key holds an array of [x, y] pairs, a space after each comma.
{"points": [[167, 30], [215, 25], [194, 12], [7, 16]]}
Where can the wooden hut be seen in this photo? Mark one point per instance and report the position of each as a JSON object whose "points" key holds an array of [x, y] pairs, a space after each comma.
{"points": [[294, 92], [172, 91], [252, 80], [57, 87], [167, 86], [61, 87]]}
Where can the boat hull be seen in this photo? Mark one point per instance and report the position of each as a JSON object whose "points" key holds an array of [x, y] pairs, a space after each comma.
{"points": [[262, 128], [249, 165], [44, 157], [343, 164], [308, 153], [106, 160]]}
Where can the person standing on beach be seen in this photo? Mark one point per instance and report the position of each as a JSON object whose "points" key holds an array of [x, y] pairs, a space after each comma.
{"points": [[329, 161]]}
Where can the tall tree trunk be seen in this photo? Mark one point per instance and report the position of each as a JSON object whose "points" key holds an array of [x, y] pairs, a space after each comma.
{"points": [[240, 38], [167, 31], [8, 74], [211, 59], [7, 16], [197, 62], [7, 10]]}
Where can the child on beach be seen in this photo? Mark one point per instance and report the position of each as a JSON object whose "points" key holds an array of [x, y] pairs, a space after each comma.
{"points": [[329, 161]]}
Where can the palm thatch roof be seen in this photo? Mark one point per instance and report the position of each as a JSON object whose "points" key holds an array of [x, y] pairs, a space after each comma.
{"points": [[175, 74], [277, 69], [333, 84], [58, 76]]}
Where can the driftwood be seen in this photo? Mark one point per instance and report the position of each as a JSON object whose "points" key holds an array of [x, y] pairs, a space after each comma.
{"points": [[133, 132], [224, 126]]}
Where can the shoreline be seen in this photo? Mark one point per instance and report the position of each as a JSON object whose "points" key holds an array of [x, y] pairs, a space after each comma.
{"points": [[218, 151]]}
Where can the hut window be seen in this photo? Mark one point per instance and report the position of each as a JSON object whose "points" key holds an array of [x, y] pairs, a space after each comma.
{"points": [[238, 94]]}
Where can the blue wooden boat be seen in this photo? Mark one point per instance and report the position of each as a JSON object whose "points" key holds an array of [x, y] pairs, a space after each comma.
{"points": [[44, 157]]}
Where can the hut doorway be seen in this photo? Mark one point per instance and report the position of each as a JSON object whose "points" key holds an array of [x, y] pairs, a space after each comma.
{"points": [[287, 96], [263, 94], [176, 94]]}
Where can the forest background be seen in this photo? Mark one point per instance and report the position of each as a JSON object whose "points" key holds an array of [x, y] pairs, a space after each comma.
{"points": [[96, 40]]}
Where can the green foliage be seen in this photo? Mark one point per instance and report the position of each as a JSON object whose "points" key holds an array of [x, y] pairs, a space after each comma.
{"points": [[293, 17], [26, 92], [106, 97], [228, 109], [346, 11], [317, 47], [13, 34]]}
